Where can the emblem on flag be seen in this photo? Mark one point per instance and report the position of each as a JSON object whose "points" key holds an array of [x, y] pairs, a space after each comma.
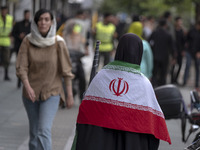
{"points": [[118, 89]]}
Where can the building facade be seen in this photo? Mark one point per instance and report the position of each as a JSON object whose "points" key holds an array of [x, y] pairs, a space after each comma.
{"points": [[66, 7]]}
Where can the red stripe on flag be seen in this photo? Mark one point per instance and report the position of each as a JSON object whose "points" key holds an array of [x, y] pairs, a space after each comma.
{"points": [[122, 118]]}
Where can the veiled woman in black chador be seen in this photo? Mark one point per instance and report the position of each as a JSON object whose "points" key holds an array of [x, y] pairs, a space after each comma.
{"points": [[121, 118]]}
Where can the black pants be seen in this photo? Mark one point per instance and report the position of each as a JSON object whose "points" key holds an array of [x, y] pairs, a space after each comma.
{"points": [[5, 56], [79, 82], [175, 72], [159, 73], [80, 78], [5, 60]]}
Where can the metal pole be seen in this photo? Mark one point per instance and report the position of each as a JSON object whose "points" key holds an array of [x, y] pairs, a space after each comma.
{"points": [[95, 61]]}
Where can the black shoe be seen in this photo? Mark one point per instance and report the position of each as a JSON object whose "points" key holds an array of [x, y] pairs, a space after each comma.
{"points": [[7, 78], [18, 83]]}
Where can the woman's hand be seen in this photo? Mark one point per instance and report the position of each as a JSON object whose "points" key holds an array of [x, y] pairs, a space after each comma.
{"points": [[29, 90], [69, 101], [70, 98], [31, 94]]}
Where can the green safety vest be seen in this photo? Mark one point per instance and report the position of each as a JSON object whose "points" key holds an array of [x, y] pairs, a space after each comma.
{"points": [[105, 33], [5, 29]]}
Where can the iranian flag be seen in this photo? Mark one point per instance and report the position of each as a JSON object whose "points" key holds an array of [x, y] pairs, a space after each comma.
{"points": [[120, 97]]}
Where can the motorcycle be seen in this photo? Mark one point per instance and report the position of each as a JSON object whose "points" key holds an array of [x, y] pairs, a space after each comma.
{"points": [[178, 110], [169, 96], [194, 119]]}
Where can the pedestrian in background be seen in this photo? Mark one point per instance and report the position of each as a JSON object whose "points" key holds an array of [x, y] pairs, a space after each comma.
{"points": [[80, 19], [105, 31], [6, 24], [192, 53], [170, 25], [180, 39], [162, 46], [121, 26], [75, 43], [75, 36], [135, 19], [119, 110], [149, 26], [147, 57], [43, 60], [20, 30]]}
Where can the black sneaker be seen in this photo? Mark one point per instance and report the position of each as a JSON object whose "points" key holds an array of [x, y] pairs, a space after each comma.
{"points": [[7, 78]]}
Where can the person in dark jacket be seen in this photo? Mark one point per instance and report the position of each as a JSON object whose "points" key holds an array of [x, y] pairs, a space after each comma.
{"points": [[20, 30], [180, 39], [192, 53], [162, 46]]}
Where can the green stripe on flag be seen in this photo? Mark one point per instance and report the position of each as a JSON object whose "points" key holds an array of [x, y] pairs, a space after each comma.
{"points": [[123, 66]]}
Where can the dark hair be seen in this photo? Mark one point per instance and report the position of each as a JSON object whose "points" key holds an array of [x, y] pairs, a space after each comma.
{"points": [[135, 17], [177, 18], [107, 14], [79, 12], [26, 11], [4, 7], [167, 14], [40, 12], [162, 22]]}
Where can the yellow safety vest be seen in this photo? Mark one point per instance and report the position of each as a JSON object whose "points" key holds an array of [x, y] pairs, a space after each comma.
{"points": [[5, 30], [60, 30], [105, 33]]}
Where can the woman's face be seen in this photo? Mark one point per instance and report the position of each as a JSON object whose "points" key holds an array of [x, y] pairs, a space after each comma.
{"points": [[44, 23]]}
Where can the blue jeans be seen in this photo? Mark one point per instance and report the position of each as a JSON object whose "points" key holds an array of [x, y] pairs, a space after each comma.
{"points": [[41, 115]]}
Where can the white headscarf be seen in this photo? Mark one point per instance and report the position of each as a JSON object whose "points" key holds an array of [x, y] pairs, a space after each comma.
{"points": [[36, 38]]}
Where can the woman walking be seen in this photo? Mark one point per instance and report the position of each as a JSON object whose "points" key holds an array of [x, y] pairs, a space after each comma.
{"points": [[43, 60]]}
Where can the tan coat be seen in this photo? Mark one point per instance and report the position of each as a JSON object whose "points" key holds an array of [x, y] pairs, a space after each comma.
{"points": [[44, 68]]}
